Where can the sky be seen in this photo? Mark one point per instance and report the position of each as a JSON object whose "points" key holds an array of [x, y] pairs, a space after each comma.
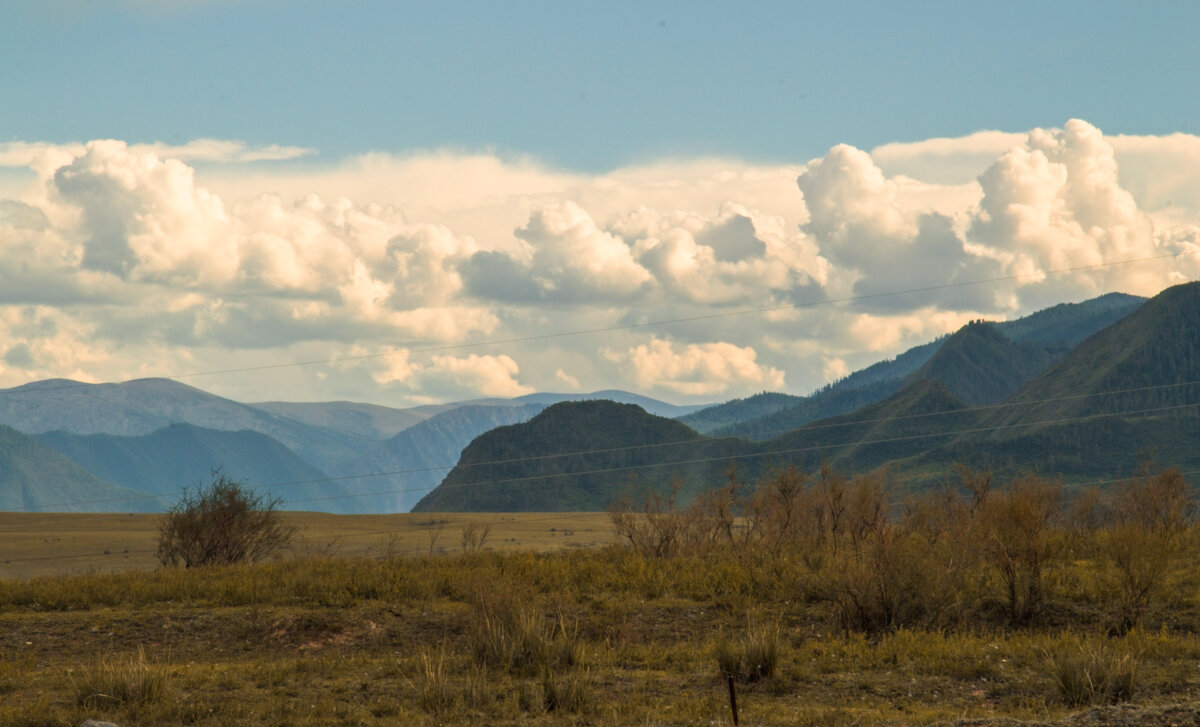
{"points": [[409, 203]]}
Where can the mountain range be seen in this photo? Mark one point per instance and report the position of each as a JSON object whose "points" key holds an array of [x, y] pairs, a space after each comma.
{"points": [[136, 445], [1092, 399], [1005, 395]]}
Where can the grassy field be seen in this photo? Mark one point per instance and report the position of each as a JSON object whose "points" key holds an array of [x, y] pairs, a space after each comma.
{"points": [[999, 607], [36, 544]]}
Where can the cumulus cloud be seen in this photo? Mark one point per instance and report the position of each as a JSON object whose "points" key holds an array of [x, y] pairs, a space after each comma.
{"points": [[121, 260], [567, 258], [444, 374], [706, 369]]}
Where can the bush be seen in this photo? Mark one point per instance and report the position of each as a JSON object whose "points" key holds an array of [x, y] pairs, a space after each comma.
{"points": [[221, 524]]}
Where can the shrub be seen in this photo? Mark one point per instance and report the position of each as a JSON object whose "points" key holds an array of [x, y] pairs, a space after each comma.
{"points": [[221, 524]]}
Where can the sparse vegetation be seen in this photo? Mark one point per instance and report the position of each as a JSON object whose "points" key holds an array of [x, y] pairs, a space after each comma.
{"points": [[829, 601]]}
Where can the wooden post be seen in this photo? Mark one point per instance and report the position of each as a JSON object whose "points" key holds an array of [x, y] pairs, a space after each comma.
{"points": [[733, 701]]}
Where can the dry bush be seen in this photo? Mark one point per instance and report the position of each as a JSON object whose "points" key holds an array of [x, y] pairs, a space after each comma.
{"points": [[474, 535], [1148, 535], [220, 524], [1015, 525], [655, 528]]}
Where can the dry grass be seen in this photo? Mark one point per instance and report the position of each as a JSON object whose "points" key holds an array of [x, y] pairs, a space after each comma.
{"points": [[40, 544]]}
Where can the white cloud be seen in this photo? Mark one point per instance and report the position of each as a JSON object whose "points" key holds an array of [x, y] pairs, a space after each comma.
{"points": [[453, 376], [142, 260], [706, 369]]}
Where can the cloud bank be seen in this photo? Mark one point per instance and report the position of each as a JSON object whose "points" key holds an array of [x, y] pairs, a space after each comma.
{"points": [[443, 276]]}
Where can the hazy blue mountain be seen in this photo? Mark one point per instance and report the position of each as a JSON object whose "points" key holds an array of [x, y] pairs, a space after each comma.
{"points": [[163, 462], [414, 461], [366, 421], [37, 478], [147, 405]]}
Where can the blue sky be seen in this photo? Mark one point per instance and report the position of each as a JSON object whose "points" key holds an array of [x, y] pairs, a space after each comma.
{"points": [[592, 86], [417, 193]]}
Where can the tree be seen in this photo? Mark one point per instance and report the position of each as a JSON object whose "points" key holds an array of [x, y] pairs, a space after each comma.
{"points": [[220, 524]]}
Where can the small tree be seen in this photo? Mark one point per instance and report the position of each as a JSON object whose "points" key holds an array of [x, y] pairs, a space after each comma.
{"points": [[220, 524]]}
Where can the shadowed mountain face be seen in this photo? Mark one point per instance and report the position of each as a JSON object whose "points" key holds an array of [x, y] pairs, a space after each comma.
{"points": [[1061, 421], [181, 455], [536, 466], [1054, 331], [980, 365], [37, 478]]}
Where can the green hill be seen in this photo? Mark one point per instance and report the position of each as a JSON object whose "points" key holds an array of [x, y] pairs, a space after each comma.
{"points": [[36, 478], [574, 456], [980, 365]]}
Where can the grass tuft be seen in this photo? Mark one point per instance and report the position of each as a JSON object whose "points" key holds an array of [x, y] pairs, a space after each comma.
{"points": [[1086, 675], [120, 682], [752, 656]]}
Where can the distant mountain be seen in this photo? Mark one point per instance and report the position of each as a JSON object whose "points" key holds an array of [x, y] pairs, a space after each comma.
{"points": [[403, 469], [37, 478], [143, 406], [165, 461], [1054, 330], [366, 421], [654, 406], [1064, 421], [537, 466]]}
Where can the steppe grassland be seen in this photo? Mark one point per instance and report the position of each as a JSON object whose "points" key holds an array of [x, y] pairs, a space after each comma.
{"points": [[921, 616], [39, 544]]}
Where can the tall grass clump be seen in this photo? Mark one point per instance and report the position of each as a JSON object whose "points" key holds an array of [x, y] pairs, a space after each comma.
{"points": [[1085, 675], [119, 683], [750, 656], [518, 638], [437, 694]]}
